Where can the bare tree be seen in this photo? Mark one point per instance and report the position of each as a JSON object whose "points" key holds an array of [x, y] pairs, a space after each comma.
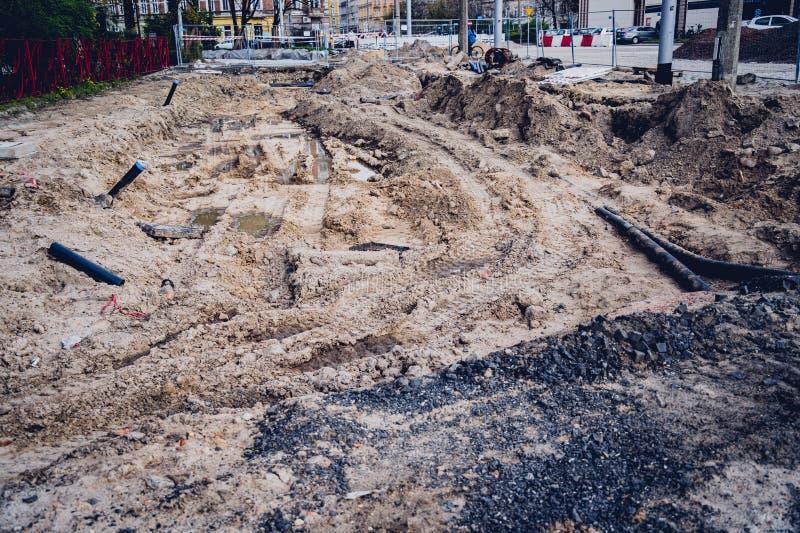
{"points": [[240, 18]]}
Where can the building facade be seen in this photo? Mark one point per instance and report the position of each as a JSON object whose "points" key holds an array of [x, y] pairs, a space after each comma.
{"points": [[694, 15]]}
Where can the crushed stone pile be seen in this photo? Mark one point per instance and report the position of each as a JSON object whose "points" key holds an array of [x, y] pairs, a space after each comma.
{"points": [[777, 45], [644, 422]]}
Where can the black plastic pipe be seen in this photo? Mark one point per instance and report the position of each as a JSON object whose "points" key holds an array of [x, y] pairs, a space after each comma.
{"points": [[292, 84], [61, 253], [171, 92], [687, 279], [127, 179], [712, 267]]}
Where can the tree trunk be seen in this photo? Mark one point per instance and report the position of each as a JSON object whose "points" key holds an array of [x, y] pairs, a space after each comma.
{"points": [[128, 15], [232, 9]]}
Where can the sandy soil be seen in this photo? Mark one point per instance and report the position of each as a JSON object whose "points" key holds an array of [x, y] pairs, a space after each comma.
{"points": [[476, 194]]}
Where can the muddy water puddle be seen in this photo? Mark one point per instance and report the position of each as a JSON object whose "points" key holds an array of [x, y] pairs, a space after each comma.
{"points": [[258, 224], [320, 163], [359, 170], [207, 217]]}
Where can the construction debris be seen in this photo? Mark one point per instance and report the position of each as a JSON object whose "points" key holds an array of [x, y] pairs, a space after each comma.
{"points": [[172, 231]]}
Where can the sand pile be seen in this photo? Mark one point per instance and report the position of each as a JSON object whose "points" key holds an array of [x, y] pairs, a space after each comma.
{"points": [[423, 50], [367, 76]]}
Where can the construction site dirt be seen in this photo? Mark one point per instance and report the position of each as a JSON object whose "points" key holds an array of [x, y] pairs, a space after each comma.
{"points": [[386, 302]]}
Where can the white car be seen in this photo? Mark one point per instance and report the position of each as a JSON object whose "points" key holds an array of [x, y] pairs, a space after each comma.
{"points": [[768, 22], [227, 44]]}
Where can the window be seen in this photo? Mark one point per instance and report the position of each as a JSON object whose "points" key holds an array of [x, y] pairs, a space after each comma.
{"points": [[780, 21], [225, 6], [763, 21], [257, 30]]}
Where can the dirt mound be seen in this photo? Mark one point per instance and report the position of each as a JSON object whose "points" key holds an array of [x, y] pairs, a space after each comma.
{"points": [[778, 45], [518, 106], [422, 49], [369, 78], [740, 150], [692, 111]]}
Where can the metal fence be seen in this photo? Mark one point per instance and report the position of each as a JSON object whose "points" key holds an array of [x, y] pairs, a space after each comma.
{"points": [[610, 38], [250, 46], [32, 67]]}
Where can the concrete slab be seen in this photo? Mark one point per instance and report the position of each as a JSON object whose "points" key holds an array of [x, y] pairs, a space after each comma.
{"points": [[16, 149]]}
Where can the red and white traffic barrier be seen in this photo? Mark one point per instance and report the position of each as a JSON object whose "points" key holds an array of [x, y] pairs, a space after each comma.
{"points": [[580, 40]]}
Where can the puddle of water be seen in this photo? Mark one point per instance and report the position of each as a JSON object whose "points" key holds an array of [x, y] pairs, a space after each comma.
{"points": [[281, 135], [359, 170], [322, 161], [184, 165], [258, 225], [207, 217], [320, 167]]}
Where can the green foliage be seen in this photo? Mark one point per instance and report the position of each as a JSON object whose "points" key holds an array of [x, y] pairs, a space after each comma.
{"points": [[47, 19], [87, 88]]}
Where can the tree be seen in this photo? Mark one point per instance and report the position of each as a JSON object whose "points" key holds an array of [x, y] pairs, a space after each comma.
{"points": [[48, 19], [128, 15], [245, 13]]}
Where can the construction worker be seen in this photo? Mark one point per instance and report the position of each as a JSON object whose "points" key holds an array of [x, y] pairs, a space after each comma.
{"points": [[471, 38]]}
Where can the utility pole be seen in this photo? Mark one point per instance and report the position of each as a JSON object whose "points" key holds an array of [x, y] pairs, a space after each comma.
{"points": [[408, 18], [463, 41], [666, 39], [498, 23], [726, 43]]}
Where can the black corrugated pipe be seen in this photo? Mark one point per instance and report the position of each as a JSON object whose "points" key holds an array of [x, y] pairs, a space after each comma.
{"points": [[96, 272], [712, 267], [171, 92], [687, 279]]}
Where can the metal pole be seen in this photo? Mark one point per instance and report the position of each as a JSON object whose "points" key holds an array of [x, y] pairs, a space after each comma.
{"points": [[463, 42], [498, 23], [508, 30], [396, 28], [726, 46], [528, 40], [613, 38], [450, 38], [666, 39], [180, 36], [408, 18], [797, 66], [571, 39]]}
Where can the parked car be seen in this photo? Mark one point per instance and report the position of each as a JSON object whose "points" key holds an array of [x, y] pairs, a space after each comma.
{"points": [[227, 44], [636, 34], [768, 22], [595, 31]]}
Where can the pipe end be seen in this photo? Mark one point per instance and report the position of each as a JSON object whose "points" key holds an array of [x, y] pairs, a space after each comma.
{"points": [[139, 166]]}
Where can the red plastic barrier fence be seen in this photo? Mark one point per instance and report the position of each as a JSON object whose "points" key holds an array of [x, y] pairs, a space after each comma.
{"points": [[35, 67]]}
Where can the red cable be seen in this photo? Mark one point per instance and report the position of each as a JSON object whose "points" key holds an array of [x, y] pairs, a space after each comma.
{"points": [[122, 310]]}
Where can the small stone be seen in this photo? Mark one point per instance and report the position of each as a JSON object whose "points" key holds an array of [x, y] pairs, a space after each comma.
{"points": [[720, 297], [769, 382], [357, 494], [320, 460], [158, 482], [230, 250], [603, 173], [714, 134], [748, 162], [134, 435], [682, 308], [104, 200], [660, 401], [30, 499], [298, 523], [661, 347], [626, 166], [553, 173], [792, 147], [247, 416], [488, 373], [747, 143], [737, 375], [70, 342], [647, 157], [37, 328], [775, 150]]}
